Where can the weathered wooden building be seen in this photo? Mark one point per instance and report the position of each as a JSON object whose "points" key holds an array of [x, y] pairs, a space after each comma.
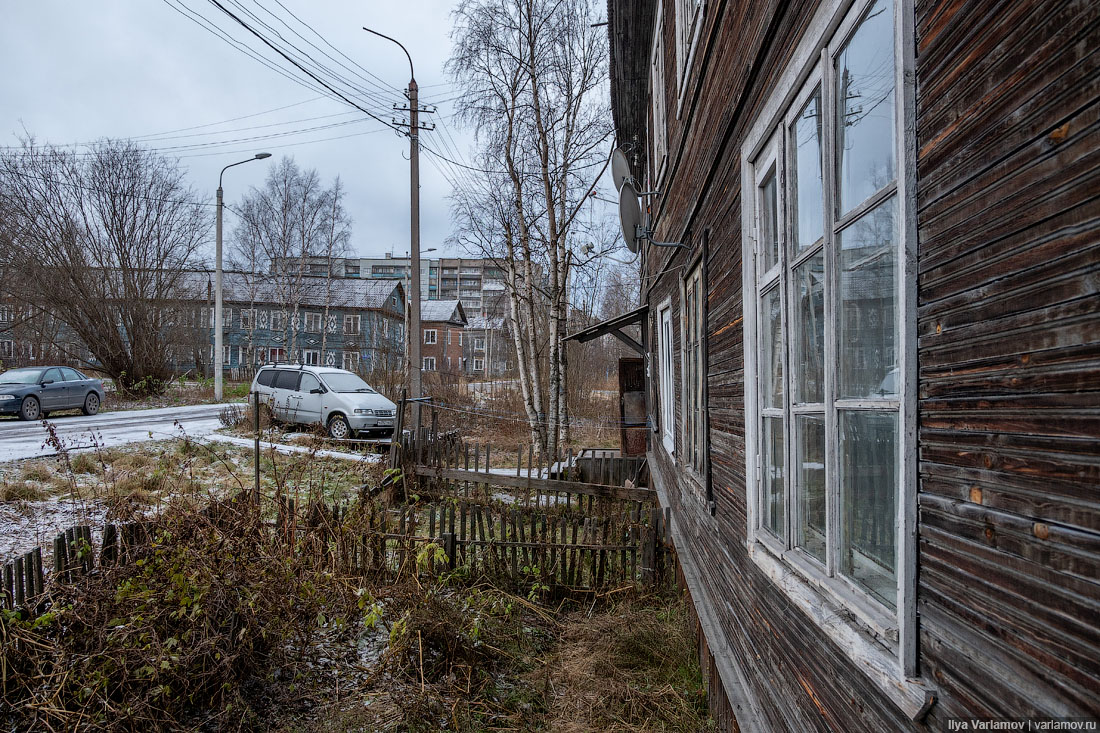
{"points": [[874, 366]]}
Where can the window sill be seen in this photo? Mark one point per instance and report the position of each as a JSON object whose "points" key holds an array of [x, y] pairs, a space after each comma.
{"points": [[867, 635], [669, 446]]}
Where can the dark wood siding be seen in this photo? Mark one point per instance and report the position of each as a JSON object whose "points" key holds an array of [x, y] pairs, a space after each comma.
{"points": [[1009, 350], [1008, 202]]}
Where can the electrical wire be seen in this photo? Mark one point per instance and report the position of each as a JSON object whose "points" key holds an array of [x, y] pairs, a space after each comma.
{"points": [[237, 19]]}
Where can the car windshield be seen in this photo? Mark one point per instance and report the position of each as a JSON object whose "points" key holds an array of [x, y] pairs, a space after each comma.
{"points": [[20, 376], [338, 382]]}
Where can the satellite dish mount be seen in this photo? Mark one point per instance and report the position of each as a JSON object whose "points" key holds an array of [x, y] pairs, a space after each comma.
{"points": [[630, 218]]}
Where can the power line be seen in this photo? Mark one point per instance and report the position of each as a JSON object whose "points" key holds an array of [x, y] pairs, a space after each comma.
{"points": [[299, 66], [101, 190], [204, 23], [304, 56]]}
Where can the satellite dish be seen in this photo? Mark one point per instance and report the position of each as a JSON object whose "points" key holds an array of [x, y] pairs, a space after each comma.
{"points": [[620, 168], [630, 215]]}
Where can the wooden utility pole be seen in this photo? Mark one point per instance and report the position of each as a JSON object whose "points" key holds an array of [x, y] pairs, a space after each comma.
{"points": [[413, 331]]}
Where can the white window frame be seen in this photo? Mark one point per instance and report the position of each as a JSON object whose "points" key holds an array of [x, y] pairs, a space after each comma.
{"points": [[278, 320], [430, 336], [7, 349], [311, 357], [881, 641], [248, 321], [689, 26], [665, 377], [657, 104], [314, 322], [693, 426], [350, 361], [352, 323], [479, 365], [479, 343], [7, 313], [429, 364]]}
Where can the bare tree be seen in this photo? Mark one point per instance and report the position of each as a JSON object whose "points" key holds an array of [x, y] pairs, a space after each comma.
{"points": [[285, 227], [100, 242], [532, 74]]}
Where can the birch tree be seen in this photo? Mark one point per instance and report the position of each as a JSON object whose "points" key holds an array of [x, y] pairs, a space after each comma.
{"points": [[533, 80]]}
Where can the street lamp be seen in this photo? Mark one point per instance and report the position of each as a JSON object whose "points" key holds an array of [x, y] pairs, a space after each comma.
{"points": [[413, 326], [218, 279]]}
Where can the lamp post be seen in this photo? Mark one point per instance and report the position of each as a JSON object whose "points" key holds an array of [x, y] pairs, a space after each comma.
{"points": [[218, 279], [413, 326]]}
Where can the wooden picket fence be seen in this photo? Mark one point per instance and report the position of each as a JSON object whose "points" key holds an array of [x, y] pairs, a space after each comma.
{"points": [[74, 554]]}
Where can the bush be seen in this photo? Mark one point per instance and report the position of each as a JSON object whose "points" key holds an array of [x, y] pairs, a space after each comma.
{"points": [[189, 632]]}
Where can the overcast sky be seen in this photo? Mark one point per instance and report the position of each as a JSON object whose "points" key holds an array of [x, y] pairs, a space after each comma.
{"points": [[78, 71]]}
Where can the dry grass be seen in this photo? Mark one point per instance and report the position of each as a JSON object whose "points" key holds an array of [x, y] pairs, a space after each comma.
{"points": [[36, 472], [21, 491], [629, 668]]}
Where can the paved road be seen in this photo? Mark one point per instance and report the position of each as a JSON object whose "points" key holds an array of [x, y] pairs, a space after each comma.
{"points": [[20, 439]]}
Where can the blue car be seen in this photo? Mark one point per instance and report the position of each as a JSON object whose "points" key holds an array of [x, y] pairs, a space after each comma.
{"points": [[33, 393]]}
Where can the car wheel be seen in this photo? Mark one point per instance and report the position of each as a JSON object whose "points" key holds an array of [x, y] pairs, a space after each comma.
{"points": [[30, 409], [91, 404], [338, 427]]}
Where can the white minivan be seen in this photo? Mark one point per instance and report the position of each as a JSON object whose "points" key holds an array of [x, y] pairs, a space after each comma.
{"points": [[334, 398]]}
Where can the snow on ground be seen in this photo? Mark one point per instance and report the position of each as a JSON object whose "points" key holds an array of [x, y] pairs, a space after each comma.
{"points": [[25, 525], [20, 439]]}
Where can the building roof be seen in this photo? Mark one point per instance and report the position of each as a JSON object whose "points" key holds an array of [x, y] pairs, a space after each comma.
{"points": [[630, 31], [482, 323], [442, 311], [240, 287]]}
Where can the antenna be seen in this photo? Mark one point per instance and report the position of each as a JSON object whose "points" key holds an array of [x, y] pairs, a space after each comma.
{"points": [[630, 219]]}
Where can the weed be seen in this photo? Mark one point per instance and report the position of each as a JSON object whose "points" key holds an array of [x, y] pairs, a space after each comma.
{"points": [[36, 472], [86, 463]]}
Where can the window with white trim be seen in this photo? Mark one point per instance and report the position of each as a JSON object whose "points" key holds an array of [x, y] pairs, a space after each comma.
{"points": [[311, 357], [7, 349], [664, 376], [429, 336], [7, 313], [429, 363], [826, 385], [248, 318], [278, 320], [688, 13], [659, 146], [693, 368], [351, 361], [479, 365], [313, 323], [352, 323]]}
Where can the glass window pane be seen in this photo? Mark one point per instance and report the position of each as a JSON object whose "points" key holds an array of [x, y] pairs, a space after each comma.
{"points": [[811, 484], [867, 325], [808, 356], [808, 217], [868, 491], [769, 221], [771, 368], [774, 494], [865, 108]]}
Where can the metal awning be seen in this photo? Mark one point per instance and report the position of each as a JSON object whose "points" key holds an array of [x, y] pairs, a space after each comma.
{"points": [[614, 327]]}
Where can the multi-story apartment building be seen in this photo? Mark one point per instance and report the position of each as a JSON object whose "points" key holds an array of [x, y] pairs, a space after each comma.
{"points": [[477, 282]]}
